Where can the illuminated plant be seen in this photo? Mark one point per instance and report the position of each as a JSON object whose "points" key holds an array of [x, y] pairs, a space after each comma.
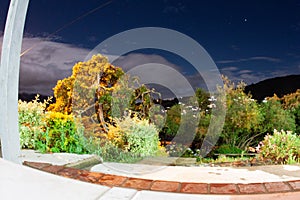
{"points": [[31, 121], [282, 147]]}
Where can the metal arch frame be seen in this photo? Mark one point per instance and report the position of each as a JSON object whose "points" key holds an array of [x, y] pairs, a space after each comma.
{"points": [[9, 80]]}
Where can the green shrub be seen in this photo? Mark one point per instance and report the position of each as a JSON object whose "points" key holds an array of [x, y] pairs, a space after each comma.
{"points": [[227, 149], [276, 117], [128, 140], [63, 133], [296, 113], [134, 135], [31, 123], [282, 147], [109, 152], [243, 116]]}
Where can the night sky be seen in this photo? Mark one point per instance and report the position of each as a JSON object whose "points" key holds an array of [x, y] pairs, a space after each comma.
{"points": [[248, 40]]}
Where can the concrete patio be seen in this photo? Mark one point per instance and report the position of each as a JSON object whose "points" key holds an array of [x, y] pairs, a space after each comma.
{"points": [[107, 181]]}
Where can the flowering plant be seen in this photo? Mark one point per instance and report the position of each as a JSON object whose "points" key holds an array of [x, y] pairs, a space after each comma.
{"points": [[283, 147]]}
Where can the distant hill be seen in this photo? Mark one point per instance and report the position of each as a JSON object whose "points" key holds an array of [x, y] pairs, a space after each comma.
{"points": [[279, 86]]}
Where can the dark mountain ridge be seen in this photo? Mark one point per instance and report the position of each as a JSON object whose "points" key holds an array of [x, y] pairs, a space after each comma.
{"points": [[279, 86]]}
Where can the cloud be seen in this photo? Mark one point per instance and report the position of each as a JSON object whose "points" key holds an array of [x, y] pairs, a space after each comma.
{"points": [[255, 58], [46, 63], [244, 71], [229, 68], [237, 74], [157, 68], [135, 59], [247, 76], [50, 61]]}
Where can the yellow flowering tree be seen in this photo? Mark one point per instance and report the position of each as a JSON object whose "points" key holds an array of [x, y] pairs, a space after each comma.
{"points": [[95, 91], [88, 89]]}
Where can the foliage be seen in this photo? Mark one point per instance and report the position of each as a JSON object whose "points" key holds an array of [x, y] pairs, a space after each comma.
{"points": [[123, 96], [31, 123], [275, 116], [128, 140], [134, 135], [63, 134], [179, 150], [227, 149], [222, 159], [173, 120], [142, 101], [202, 99], [130, 94], [202, 129], [63, 93], [48, 132], [111, 153], [182, 121], [97, 92], [296, 112], [243, 117], [282, 147], [87, 91], [157, 116], [176, 150], [291, 102]]}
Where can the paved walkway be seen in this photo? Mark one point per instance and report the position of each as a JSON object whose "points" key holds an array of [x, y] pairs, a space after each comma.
{"points": [[107, 181]]}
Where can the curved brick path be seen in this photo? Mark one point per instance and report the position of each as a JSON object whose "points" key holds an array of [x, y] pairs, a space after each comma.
{"points": [[170, 186]]}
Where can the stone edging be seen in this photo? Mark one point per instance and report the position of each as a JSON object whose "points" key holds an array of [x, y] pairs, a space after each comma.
{"points": [[167, 186]]}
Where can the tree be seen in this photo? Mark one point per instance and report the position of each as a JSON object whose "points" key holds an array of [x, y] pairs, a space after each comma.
{"points": [[88, 89], [172, 121], [291, 102], [202, 98], [97, 91], [243, 116], [275, 116]]}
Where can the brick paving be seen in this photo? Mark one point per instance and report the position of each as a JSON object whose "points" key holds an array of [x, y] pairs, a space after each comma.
{"points": [[168, 186]]}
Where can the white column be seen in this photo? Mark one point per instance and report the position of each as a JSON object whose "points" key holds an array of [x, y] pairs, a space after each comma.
{"points": [[9, 80]]}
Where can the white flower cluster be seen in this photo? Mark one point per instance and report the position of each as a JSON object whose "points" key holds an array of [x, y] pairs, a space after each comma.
{"points": [[212, 99]]}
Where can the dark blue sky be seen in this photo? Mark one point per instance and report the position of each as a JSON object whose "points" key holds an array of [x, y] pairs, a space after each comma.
{"points": [[248, 40]]}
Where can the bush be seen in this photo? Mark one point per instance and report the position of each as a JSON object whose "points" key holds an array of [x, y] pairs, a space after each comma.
{"points": [[227, 149], [111, 153], [276, 117], [243, 116], [296, 113], [282, 147], [63, 133], [31, 123], [134, 135], [128, 140]]}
